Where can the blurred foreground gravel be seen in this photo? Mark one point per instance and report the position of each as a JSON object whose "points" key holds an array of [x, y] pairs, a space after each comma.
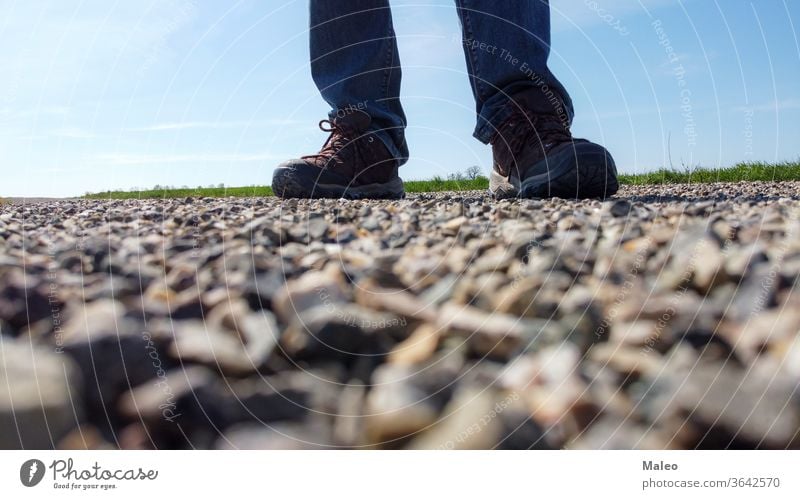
{"points": [[666, 317]]}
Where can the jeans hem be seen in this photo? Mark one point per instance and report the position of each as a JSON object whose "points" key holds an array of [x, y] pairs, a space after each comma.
{"points": [[493, 114], [399, 152], [396, 152], [487, 126]]}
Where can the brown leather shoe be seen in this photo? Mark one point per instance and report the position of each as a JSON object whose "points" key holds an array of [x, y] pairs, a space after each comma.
{"points": [[353, 163], [535, 155]]}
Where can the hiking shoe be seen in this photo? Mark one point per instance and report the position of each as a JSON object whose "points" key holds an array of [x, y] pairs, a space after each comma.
{"points": [[535, 156], [353, 164]]}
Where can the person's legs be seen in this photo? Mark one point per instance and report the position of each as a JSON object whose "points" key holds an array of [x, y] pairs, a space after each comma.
{"points": [[522, 109], [355, 65], [506, 45]]}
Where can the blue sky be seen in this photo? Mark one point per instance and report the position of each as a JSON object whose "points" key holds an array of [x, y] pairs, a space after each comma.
{"points": [[99, 94]]}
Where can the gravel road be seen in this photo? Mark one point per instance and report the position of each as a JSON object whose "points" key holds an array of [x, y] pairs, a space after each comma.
{"points": [[666, 317]]}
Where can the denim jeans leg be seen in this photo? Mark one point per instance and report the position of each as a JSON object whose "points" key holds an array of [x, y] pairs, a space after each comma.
{"points": [[355, 65], [506, 45]]}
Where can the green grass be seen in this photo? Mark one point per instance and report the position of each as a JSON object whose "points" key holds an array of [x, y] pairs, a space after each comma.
{"points": [[435, 185], [211, 192], [742, 172], [439, 184]]}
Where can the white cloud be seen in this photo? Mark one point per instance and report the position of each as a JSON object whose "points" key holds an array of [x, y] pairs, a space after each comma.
{"points": [[214, 125], [125, 159], [74, 133], [44, 111], [780, 105]]}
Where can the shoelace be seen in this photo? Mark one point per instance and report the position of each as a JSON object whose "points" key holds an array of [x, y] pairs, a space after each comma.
{"points": [[340, 136]]}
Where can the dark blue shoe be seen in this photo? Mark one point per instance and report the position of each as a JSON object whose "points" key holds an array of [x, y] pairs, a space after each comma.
{"points": [[535, 156]]}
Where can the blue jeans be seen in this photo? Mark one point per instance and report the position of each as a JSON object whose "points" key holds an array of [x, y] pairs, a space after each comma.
{"points": [[355, 65]]}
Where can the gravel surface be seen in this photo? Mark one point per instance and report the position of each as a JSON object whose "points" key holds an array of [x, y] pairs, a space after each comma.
{"points": [[666, 317]]}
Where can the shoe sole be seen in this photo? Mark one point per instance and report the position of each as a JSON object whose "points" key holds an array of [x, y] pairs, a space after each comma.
{"points": [[580, 172], [305, 181]]}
